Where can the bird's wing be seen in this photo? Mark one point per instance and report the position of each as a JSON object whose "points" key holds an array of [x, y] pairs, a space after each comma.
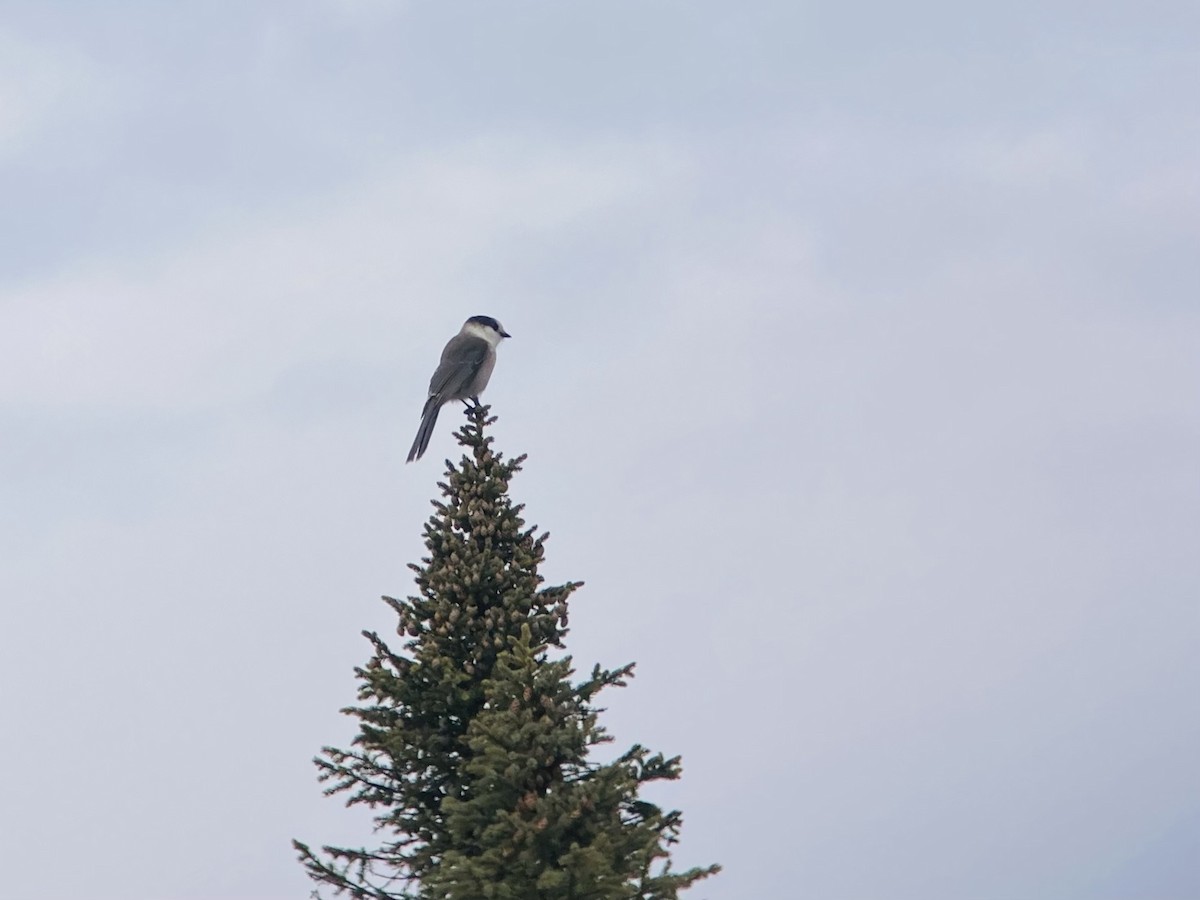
{"points": [[460, 361]]}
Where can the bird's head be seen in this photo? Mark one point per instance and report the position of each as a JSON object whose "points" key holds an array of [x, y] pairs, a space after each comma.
{"points": [[487, 328]]}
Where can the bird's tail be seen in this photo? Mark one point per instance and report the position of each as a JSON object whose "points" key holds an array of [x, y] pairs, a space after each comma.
{"points": [[425, 432]]}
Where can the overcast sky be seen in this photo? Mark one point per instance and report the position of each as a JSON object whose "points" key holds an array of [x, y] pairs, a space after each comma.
{"points": [[856, 352]]}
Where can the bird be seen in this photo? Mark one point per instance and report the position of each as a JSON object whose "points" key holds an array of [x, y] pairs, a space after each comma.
{"points": [[463, 372]]}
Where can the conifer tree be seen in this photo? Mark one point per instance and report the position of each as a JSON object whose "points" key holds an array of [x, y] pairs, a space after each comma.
{"points": [[473, 744]]}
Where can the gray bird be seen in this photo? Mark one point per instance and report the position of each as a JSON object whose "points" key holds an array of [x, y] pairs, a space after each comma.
{"points": [[463, 373]]}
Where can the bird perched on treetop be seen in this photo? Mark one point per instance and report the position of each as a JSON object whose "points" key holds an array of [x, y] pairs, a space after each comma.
{"points": [[463, 373]]}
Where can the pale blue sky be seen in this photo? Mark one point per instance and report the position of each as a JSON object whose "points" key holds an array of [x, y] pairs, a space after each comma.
{"points": [[856, 355]]}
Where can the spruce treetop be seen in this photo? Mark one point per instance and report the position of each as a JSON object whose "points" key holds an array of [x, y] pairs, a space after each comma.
{"points": [[473, 743]]}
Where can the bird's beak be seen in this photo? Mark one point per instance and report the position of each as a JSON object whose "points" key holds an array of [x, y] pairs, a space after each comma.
{"points": [[505, 334]]}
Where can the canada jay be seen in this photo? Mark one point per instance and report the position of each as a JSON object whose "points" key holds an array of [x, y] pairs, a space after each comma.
{"points": [[466, 366]]}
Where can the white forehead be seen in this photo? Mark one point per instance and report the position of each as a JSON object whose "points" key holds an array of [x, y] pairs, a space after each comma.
{"points": [[489, 334]]}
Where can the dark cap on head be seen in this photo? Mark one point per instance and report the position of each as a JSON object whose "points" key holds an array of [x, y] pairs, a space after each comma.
{"points": [[489, 322]]}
